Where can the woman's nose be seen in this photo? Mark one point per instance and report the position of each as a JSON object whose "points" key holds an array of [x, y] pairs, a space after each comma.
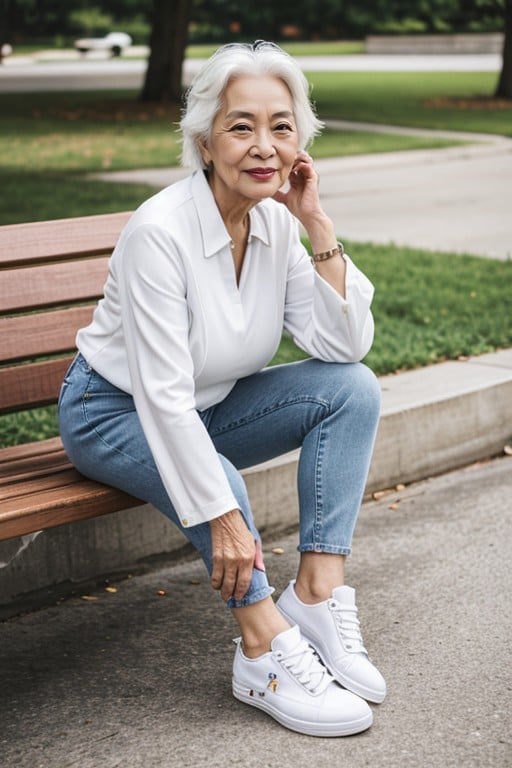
{"points": [[263, 146]]}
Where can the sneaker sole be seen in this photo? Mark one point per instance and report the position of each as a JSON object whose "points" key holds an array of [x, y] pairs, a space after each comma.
{"points": [[369, 694], [306, 727]]}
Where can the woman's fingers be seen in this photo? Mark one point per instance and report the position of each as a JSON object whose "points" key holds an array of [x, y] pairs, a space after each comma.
{"points": [[233, 553]]}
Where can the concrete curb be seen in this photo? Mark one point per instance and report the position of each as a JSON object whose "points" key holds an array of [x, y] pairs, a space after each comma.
{"points": [[434, 419]]}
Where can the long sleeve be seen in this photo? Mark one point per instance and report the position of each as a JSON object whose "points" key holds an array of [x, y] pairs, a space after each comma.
{"points": [[155, 318], [320, 321]]}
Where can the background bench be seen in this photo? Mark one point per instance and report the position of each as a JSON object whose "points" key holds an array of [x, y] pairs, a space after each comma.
{"points": [[51, 276]]}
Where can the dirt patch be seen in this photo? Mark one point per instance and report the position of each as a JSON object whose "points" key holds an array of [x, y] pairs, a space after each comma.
{"points": [[480, 103], [111, 111]]}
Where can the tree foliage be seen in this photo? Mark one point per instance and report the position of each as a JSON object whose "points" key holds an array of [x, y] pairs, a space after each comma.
{"points": [[165, 24], [218, 20], [311, 19]]}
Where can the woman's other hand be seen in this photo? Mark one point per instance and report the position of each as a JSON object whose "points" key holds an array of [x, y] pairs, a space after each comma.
{"points": [[233, 555]]}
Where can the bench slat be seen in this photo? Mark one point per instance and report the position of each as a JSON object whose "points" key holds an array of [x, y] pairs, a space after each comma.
{"points": [[32, 385], [67, 504], [17, 488], [20, 472], [44, 286], [22, 244], [19, 463], [37, 335], [31, 450]]}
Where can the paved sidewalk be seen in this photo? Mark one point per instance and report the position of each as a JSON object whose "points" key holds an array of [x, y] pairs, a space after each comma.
{"points": [[134, 679]]}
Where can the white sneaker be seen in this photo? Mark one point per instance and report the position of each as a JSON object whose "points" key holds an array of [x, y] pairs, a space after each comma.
{"points": [[332, 628], [291, 684]]}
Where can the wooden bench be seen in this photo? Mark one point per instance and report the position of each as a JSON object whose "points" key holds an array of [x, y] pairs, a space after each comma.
{"points": [[51, 276]]}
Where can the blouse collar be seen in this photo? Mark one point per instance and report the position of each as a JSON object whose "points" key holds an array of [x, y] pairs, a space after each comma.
{"points": [[214, 233]]}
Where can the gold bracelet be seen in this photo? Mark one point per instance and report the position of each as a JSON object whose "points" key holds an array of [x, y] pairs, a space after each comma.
{"points": [[337, 250]]}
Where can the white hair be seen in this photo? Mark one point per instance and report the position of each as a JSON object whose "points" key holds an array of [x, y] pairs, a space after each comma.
{"points": [[203, 99]]}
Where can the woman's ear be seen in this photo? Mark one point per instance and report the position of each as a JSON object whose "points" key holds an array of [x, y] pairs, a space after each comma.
{"points": [[205, 154]]}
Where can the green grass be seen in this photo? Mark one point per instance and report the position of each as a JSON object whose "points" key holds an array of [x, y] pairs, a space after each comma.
{"points": [[43, 196], [204, 50], [28, 426], [86, 132], [343, 143], [323, 48], [458, 101], [428, 307]]}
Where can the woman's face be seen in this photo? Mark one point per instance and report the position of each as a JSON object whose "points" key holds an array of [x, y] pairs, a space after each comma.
{"points": [[253, 142]]}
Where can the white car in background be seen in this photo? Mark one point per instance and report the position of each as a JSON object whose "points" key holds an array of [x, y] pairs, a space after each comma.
{"points": [[115, 42]]}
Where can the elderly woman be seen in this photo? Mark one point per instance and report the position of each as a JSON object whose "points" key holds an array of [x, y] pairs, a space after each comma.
{"points": [[169, 395]]}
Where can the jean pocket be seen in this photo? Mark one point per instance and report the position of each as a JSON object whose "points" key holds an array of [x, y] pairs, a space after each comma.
{"points": [[104, 403]]}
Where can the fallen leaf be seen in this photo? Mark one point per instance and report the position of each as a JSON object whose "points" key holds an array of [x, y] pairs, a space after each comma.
{"points": [[507, 450], [161, 592], [394, 506], [400, 487], [195, 581], [110, 589], [88, 597], [278, 551], [376, 495]]}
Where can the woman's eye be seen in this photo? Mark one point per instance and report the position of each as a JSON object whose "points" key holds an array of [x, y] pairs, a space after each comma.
{"points": [[241, 128], [282, 127]]}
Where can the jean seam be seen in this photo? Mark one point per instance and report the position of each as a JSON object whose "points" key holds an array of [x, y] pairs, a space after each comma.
{"points": [[317, 525], [327, 548], [255, 597], [109, 445], [261, 414]]}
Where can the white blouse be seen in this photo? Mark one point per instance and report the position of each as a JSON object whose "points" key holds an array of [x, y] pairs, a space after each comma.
{"points": [[176, 331]]}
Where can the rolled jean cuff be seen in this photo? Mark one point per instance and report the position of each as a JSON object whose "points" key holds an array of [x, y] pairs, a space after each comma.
{"points": [[328, 549], [251, 598]]}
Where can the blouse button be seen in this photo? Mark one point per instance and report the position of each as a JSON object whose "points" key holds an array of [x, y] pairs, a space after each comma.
{"points": [[184, 522]]}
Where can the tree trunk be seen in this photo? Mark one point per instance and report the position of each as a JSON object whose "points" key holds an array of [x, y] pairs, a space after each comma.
{"points": [[168, 41], [504, 88]]}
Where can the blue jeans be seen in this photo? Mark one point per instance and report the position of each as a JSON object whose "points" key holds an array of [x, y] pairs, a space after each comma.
{"points": [[329, 410]]}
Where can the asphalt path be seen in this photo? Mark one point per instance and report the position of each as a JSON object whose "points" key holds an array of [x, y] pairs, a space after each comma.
{"points": [[141, 679], [68, 70]]}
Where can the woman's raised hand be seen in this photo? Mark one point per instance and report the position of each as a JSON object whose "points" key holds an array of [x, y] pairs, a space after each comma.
{"points": [[302, 198]]}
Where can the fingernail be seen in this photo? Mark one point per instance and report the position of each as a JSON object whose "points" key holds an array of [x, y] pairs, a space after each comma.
{"points": [[258, 557]]}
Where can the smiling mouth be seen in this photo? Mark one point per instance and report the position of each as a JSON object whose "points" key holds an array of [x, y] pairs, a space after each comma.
{"points": [[262, 174]]}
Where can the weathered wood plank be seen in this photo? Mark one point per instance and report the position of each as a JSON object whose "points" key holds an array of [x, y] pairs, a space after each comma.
{"points": [[45, 286], [32, 385], [23, 244], [68, 504], [44, 333], [33, 450]]}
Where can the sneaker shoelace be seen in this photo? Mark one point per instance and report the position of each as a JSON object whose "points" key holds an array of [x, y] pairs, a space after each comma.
{"points": [[347, 626], [305, 666]]}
